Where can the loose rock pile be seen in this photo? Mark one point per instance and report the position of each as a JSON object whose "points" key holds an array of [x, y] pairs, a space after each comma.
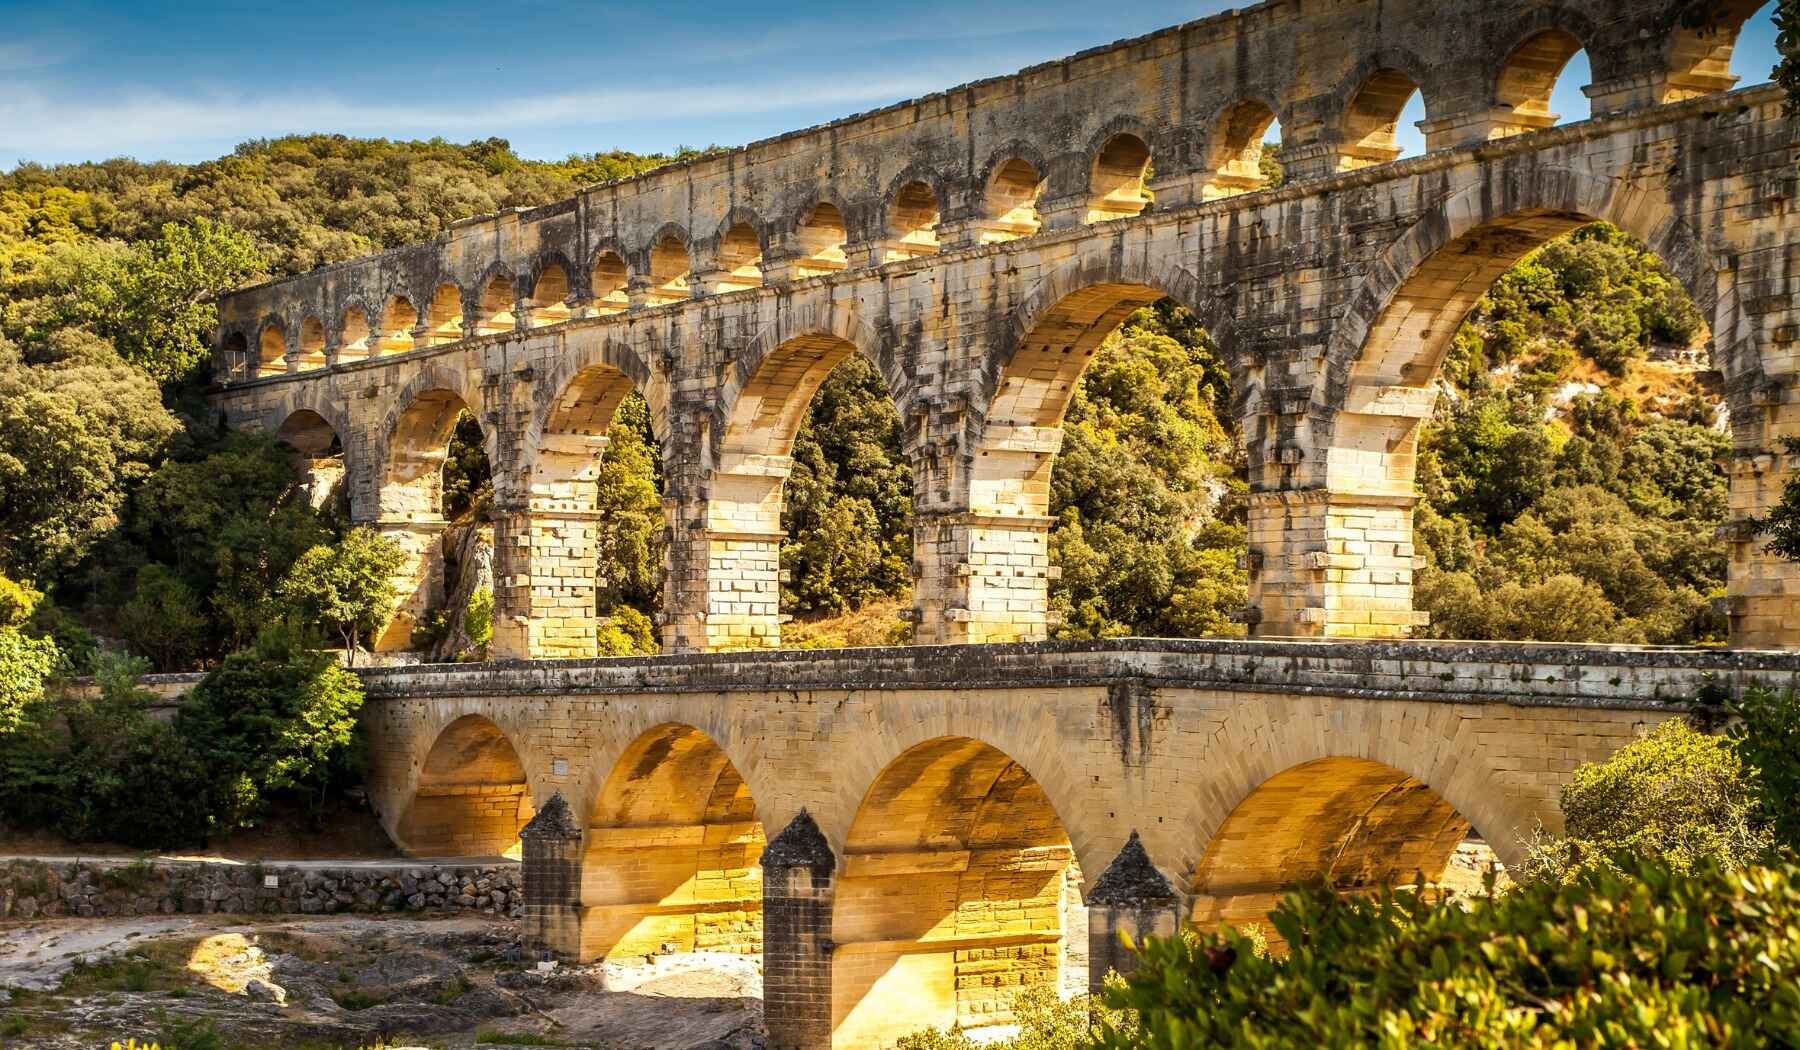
{"points": [[95, 889]]}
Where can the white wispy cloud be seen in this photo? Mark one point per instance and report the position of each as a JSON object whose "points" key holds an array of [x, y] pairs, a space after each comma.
{"points": [[40, 122]]}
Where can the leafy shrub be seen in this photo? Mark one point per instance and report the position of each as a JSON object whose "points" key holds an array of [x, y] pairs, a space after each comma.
{"points": [[1045, 1020], [1677, 794], [1647, 955]]}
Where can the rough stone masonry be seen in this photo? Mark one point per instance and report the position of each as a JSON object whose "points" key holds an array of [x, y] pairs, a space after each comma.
{"points": [[908, 835]]}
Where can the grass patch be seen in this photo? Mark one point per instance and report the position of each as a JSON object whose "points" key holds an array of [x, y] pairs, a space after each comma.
{"points": [[197, 1034], [453, 989], [356, 999], [14, 1025], [129, 877]]}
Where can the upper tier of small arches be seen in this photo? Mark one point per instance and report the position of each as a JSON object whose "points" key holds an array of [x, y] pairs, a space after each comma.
{"points": [[614, 247]]}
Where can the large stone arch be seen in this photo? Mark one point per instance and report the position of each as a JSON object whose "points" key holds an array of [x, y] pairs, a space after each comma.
{"points": [[468, 785], [1029, 735], [1120, 282], [737, 738], [811, 325], [1566, 199], [673, 850], [309, 421], [1442, 750], [434, 378], [953, 887], [723, 589], [548, 522]]}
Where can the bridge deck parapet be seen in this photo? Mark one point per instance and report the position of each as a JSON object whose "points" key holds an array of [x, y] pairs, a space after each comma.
{"points": [[1616, 677]]}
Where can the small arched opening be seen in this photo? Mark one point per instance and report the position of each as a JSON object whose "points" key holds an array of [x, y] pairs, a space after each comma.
{"points": [[550, 295], [1359, 825], [669, 272], [610, 283], [498, 303], [353, 336], [740, 258], [271, 354], [312, 345], [472, 797], [1531, 84], [1241, 155], [912, 222], [1731, 41], [444, 323], [1009, 205], [819, 242], [1116, 182], [1380, 123], [237, 361], [398, 321]]}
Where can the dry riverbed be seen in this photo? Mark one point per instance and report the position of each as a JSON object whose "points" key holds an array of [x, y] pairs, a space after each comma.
{"points": [[217, 982]]}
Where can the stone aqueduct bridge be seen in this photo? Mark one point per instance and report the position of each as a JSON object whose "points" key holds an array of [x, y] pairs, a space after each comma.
{"points": [[946, 820], [977, 245], [944, 817]]}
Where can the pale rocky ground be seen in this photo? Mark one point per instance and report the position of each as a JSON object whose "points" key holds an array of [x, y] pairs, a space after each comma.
{"points": [[353, 981]]}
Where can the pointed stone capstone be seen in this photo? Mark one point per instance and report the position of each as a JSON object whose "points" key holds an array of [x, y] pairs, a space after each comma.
{"points": [[1131, 879], [554, 821], [801, 844]]}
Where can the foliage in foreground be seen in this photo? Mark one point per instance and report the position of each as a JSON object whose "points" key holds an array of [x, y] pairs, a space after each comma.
{"points": [[1646, 955]]}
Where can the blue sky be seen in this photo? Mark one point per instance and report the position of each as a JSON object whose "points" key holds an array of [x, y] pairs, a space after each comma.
{"points": [[101, 78]]}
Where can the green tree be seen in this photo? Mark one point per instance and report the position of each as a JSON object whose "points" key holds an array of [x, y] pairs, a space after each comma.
{"points": [[25, 664], [230, 524], [274, 718], [348, 587], [1147, 490], [629, 544], [153, 301], [847, 505], [163, 621], [77, 430]]}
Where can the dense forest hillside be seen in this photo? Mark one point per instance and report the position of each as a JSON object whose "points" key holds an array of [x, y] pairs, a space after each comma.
{"points": [[1569, 482]]}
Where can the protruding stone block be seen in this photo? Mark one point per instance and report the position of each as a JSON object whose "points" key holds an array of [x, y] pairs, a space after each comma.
{"points": [[1129, 902], [552, 875], [799, 880]]}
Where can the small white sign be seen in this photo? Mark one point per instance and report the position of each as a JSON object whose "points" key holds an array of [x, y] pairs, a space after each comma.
{"points": [[271, 881], [561, 766], [546, 965]]}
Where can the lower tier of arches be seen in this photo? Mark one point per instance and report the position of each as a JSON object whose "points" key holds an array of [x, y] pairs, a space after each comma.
{"points": [[916, 857]]}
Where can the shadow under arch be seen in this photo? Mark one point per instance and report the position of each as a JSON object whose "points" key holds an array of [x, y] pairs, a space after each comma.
{"points": [[471, 797], [1359, 824], [956, 878], [673, 852]]}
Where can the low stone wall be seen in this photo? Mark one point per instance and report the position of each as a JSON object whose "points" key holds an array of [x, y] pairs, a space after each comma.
{"points": [[32, 889]]}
